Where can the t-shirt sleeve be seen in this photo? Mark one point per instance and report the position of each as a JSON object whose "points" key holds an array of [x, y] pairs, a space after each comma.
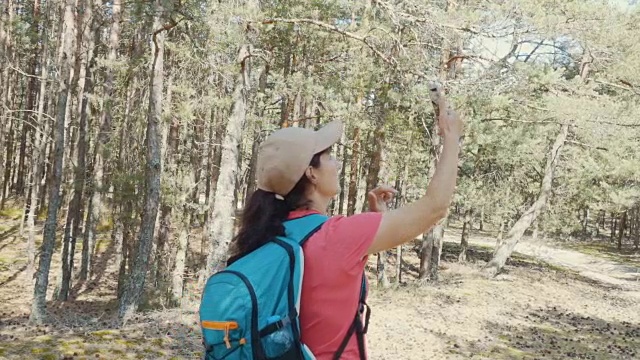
{"points": [[351, 236]]}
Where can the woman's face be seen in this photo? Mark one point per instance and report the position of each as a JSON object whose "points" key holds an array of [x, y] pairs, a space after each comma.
{"points": [[325, 177]]}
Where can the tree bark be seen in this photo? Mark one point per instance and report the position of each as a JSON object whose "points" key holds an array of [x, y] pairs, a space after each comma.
{"points": [[464, 241], [372, 182], [7, 94], [432, 242], [165, 235], [353, 172], [134, 285], [503, 252], [37, 165], [75, 215], [31, 96], [222, 208], [636, 238], [104, 134], [623, 227], [177, 277], [38, 309]]}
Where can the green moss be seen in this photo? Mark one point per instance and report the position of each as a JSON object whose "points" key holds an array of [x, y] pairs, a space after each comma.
{"points": [[105, 334], [127, 343], [38, 350], [47, 339], [49, 356]]}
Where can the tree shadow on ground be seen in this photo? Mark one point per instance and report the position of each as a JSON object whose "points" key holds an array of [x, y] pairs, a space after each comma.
{"points": [[99, 268], [554, 333], [627, 255], [7, 233], [483, 254], [86, 330]]}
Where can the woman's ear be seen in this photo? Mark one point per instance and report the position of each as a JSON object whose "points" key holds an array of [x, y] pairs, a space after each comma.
{"points": [[310, 175]]}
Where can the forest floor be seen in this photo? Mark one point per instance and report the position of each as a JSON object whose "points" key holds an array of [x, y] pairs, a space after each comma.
{"points": [[548, 304]]}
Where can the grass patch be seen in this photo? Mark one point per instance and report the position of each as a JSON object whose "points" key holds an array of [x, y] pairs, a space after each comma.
{"points": [[609, 251], [13, 213], [104, 225]]}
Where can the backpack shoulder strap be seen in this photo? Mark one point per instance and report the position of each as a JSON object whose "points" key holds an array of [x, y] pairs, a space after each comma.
{"points": [[357, 328], [301, 229]]}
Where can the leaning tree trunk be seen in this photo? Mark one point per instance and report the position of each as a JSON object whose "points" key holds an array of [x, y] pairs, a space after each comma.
{"points": [[503, 252], [134, 285], [38, 308], [222, 209]]}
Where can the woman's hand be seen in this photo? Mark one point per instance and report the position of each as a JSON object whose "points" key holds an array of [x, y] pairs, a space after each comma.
{"points": [[379, 198], [449, 122]]}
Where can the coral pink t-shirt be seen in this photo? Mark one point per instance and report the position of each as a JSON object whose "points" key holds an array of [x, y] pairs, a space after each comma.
{"points": [[334, 258]]}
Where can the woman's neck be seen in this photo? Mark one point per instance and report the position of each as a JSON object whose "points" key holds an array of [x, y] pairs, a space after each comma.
{"points": [[318, 203]]}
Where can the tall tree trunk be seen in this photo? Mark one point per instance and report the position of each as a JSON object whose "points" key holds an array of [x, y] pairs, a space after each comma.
{"points": [[31, 96], [38, 309], [96, 181], [222, 209], [464, 241], [372, 182], [636, 238], [251, 175], [623, 227], [134, 285], [585, 220], [163, 250], [75, 213], [7, 94], [37, 163], [500, 237], [353, 172], [432, 241], [6, 182], [177, 276], [503, 252], [340, 208]]}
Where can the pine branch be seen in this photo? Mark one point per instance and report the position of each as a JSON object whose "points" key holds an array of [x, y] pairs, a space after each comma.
{"points": [[587, 145], [333, 28], [25, 74], [628, 87]]}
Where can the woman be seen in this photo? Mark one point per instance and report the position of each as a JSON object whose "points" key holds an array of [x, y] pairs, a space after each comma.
{"points": [[297, 176]]}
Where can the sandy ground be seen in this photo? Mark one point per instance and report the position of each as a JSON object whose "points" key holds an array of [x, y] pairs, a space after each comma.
{"points": [[532, 311]]}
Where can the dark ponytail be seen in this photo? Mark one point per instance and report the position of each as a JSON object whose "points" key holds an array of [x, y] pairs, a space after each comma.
{"points": [[263, 215]]}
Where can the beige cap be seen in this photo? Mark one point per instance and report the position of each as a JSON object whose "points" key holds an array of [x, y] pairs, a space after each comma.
{"points": [[285, 155]]}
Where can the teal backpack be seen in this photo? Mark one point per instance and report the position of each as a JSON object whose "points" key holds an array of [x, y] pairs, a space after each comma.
{"points": [[250, 309]]}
